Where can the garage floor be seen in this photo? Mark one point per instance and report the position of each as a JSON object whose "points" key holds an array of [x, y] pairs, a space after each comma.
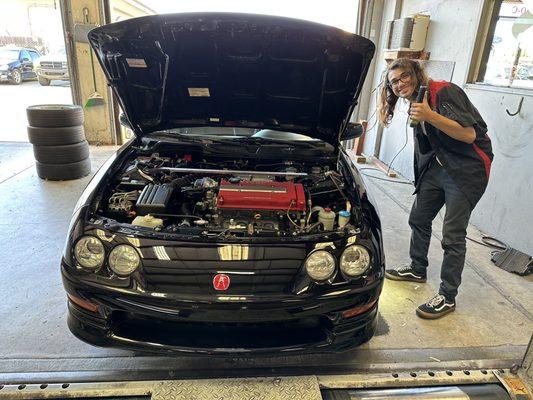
{"points": [[490, 328]]}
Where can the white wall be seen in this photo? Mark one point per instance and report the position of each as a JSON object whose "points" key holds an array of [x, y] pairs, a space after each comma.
{"points": [[451, 35], [380, 65], [394, 139], [452, 30], [506, 210]]}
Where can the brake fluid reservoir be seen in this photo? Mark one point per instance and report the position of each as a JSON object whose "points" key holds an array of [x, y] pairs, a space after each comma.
{"points": [[327, 218], [344, 218]]}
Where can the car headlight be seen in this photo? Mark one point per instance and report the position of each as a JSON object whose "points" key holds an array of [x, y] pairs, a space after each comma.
{"points": [[355, 260], [124, 259], [320, 265], [89, 252]]}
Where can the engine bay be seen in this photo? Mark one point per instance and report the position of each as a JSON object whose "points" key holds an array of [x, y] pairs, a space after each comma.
{"points": [[187, 193]]}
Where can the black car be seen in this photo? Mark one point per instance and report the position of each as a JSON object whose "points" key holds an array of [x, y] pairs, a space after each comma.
{"points": [[234, 222], [17, 65]]}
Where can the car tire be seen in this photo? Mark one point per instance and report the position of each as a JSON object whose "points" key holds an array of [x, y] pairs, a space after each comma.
{"points": [[43, 81], [56, 136], [63, 154], [16, 77], [54, 115], [63, 172]]}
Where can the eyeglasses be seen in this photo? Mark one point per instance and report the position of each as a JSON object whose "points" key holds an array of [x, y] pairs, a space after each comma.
{"points": [[404, 77]]}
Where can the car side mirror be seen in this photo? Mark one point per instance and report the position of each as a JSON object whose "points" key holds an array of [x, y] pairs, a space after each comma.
{"points": [[352, 131], [124, 121], [25, 59]]}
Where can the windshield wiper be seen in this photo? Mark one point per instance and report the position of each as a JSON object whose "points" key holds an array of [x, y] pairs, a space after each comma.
{"points": [[267, 141], [209, 139], [233, 139], [179, 136]]}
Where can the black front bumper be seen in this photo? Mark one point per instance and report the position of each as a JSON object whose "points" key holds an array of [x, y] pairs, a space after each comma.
{"points": [[6, 76], [225, 326]]}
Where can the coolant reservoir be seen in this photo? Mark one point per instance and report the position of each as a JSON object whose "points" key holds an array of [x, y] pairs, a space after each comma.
{"points": [[148, 221], [327, 218], [344, 218]]}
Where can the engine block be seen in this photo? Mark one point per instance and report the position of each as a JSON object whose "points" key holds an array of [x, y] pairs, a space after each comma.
{"points": [[248, 195]]}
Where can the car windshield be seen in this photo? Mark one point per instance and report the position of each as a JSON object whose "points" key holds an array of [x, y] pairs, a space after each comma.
{"points": [[229, 132], [9, 54]]}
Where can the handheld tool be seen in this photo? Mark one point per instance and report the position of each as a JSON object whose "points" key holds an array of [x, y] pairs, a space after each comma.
{"points": [[419, 99]]}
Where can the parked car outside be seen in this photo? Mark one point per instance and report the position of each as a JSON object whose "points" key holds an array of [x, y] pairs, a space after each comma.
{"points": [[52, 67], [18, 64], [234, 222]]}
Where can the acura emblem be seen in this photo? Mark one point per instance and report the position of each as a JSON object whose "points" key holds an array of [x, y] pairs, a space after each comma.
{"points": [[221, 282]]}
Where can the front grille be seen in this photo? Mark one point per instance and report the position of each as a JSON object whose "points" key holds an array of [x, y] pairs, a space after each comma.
{"points": [[251, 269], [220, 335], [52, 64]]}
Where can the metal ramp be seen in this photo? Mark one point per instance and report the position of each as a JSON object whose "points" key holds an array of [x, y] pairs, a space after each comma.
{"points": [[449, 384]]}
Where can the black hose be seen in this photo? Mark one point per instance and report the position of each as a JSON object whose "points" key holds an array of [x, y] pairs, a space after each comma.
{"points": [[175, 215], [380, 178], [183, 181]]}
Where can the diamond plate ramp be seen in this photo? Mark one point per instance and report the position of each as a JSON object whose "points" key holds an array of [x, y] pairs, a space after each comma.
{"points": [[289, 388]]}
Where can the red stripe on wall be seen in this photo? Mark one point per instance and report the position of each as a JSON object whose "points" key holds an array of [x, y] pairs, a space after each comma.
{"points": [[484, 157]]}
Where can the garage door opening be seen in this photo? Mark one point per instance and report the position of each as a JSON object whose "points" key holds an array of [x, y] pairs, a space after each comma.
{"points": [[33, 63], [343, 15]]}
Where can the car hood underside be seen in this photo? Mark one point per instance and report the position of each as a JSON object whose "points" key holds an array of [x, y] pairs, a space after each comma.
{"points": [[223, 69]]}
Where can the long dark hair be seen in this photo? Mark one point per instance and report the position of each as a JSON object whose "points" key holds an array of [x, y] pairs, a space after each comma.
{"points": [[388, 99]]}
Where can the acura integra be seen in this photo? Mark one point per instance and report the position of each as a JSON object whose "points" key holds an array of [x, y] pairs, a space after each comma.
{"points": [[234, 222]]}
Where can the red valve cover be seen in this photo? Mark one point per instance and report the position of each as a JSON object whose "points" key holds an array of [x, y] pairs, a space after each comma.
{"points": [[261, 196]]}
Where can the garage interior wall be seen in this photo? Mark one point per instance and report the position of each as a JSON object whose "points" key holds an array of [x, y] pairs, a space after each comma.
{"points": [[390, 9], [87, 76], [506, 205]]}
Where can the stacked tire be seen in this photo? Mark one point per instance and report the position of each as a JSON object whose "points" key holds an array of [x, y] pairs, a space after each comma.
{"points": [[59, 145]]}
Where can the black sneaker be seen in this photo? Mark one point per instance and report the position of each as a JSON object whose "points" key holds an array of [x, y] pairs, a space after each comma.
{"points": [[405, 273], [436, 307]]}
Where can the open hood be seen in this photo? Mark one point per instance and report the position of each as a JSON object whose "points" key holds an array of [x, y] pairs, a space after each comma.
{"points": [[225, 69]]}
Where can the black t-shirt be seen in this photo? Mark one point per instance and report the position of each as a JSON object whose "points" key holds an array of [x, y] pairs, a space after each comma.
{"points": [[468, 164]]}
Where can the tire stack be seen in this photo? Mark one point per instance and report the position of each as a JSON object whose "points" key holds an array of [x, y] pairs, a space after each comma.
{"points": [[59, 145]]}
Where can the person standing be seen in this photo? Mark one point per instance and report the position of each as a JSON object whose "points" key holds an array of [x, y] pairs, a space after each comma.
{"points": [[452, 161]]}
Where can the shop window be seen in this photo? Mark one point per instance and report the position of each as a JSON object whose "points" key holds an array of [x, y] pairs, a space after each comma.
{"points": [[508, 56]]}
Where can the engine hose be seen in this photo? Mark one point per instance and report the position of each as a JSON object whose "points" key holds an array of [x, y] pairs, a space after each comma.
{"points": [[313, 210], [183, 181]]}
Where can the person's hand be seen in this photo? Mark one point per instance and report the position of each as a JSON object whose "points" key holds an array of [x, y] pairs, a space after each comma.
{"points": [[421, 111]]}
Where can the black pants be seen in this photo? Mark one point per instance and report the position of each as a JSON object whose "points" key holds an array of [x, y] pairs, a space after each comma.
{"points": [[436, 189]]}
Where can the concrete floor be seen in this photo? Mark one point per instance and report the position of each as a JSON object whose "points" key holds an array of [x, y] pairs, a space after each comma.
{"points": [[490, 328]]}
